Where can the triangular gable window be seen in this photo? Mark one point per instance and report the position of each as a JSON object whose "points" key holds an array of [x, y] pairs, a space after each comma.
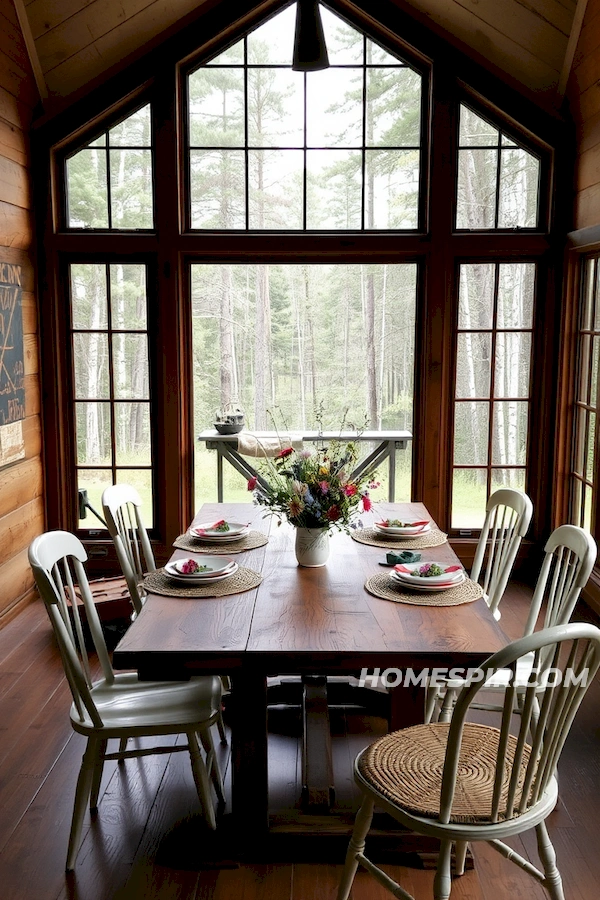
{"points": [[275, 149]]}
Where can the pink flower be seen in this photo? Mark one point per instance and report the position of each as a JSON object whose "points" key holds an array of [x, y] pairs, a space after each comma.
{"points": [[306, 454], [252, 482], [350, 490], [324, 485], [373, 485], [366, 503], [285, 453]]}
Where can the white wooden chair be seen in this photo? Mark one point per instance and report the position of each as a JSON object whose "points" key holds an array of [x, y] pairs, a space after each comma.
{"points": [[507, 518], [122, 510], [462, 781], [570, 554], [118, 706], [121, 504]]}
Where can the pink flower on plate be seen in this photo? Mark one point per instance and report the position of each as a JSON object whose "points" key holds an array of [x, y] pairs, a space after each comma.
{"points": [[252, 482]]}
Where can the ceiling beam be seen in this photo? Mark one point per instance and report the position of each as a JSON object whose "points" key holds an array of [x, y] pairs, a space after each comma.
{"points": [[31, 50], [571, 47]]}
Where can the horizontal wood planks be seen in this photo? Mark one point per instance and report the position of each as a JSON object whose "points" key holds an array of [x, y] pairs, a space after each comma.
{"points": [[584, 99], [22, 514]]}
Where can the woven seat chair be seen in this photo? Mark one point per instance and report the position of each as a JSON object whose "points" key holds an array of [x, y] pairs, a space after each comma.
{"points": [[121, 505], [570, 554], [118, 706], [461, 781]]}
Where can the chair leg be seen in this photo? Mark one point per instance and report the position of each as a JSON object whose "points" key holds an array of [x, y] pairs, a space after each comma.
{"points": [[460, 854], [122, 749], [97, 777], [213, 765], [442, 883], [362, 824], [221, 728], [82, 794], [553, 881], [201, 779], [431, 696]]}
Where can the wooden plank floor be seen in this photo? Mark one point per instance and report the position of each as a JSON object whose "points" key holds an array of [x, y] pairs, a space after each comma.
{"points": [[132, 849]]}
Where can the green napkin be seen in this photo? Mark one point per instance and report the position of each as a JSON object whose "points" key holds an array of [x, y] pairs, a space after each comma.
{"points": [[405, 556]]}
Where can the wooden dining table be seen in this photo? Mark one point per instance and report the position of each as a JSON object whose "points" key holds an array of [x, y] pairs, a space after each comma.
{"points": [[301, 621]]}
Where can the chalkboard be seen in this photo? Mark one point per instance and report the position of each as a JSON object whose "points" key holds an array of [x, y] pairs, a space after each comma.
{"points": [[12, 370]]}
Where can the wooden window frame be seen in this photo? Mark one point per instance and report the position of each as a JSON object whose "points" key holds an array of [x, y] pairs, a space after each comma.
{"points": [[158, 78]]}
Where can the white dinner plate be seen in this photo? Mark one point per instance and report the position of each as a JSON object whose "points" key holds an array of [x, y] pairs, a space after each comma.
{"points": [[216, 565], [419, 584], [405, 532], [205, 533], [199, 580]]}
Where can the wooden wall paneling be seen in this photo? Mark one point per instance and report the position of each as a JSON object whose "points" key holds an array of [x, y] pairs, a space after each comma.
{"points": [[19, 484], [587, 207], [584, 99], [14, 183], [18, 528], [16, 576], [32, 395], [13, 143], [16, 227]]}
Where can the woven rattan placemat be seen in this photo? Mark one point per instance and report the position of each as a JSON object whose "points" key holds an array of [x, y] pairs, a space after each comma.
{"points": [[406, 767], [243, 580], [250, 542], [433, 538], [382, 586]]}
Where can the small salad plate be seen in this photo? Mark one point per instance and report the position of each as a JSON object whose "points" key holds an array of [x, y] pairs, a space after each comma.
{"points": [[204, 570], [397, 528], [416, 576], [219, 532]]}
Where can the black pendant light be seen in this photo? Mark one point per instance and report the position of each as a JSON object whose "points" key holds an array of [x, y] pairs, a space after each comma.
{"points": [[310, 52]]}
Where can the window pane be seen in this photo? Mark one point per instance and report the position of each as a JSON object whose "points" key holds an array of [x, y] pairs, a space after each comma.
{"points": [[515, 295], [580, 439], [476, 193], [471, 430], [509, 443], [275, 108], [475, 131], [469, 496], [216, 107], [391, 188], [132, 434], [393, 108], [273, 41], [513, 359], [88, 296], [585, 343], [233, 55], [130, 365], [587, 300], [587, 507], [594, 371], [276, 182], [92, 426], [95, 482], [519, 189], [87, 196], [576, 517], [591, 436], [334, 194], [596, 303], [334, 108], [344, 43], [217, 189], [128, 297], [141, 480], [133, 131], [131, 188], [473, 365], [377, 56], [508, 478], [476, 296], [90, 358]]}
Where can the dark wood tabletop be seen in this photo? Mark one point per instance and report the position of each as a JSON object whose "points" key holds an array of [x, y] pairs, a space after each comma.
{"points": [[302, 621]]}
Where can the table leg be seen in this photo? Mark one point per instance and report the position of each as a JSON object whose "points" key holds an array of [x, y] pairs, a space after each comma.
{"points": [[250, 772], [407, 706], [219, 476]]}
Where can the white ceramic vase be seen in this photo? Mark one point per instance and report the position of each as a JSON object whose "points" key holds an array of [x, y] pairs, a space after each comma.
{"points": [[312, 546]]}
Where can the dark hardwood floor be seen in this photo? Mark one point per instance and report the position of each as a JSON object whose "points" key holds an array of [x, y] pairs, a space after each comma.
{"points": [[143, 842]]}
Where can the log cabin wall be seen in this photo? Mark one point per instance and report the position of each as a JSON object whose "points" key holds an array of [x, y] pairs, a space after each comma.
{"points": [[22, 514], [584, 99]]}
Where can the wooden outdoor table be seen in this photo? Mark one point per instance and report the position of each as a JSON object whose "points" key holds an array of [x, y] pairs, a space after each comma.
{"points": [[386, 443], [301, 621]]}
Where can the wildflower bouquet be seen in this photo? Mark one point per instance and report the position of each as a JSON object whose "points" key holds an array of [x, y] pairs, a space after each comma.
{"points": [[313, 488]]}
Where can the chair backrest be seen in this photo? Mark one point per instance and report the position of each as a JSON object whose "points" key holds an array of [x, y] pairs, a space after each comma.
{"points": [[570, 554], [56, 559], [523, 768], [121, 504], [508, 515]]}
